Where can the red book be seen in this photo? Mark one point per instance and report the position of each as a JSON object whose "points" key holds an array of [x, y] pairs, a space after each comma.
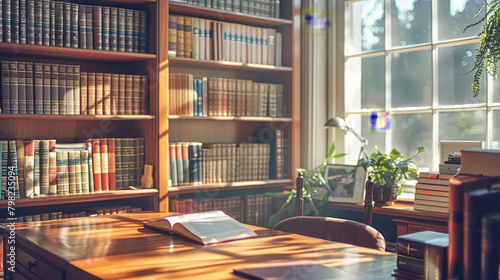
{"points": [[96, 161], [29, 169], [458, 186], [104, 164], [52, 167], [111, 164]]}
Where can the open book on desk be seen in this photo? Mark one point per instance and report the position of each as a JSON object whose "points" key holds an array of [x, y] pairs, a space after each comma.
{"points": [[205, 227]]}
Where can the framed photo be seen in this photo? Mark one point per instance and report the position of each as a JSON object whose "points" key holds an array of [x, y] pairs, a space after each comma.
{"points": [[347, 182]]}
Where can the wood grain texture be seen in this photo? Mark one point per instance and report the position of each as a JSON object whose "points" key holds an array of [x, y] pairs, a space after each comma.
{"points": [[118, 247]]}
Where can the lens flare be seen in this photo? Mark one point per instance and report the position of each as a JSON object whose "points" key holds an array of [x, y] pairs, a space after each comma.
{"points": [[380, 121], [316, 20]]}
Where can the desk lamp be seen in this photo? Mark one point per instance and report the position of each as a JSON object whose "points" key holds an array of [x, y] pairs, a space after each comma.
{"points": [[340, 123]]}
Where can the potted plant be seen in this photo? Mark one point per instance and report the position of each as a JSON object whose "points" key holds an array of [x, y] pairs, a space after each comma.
{"points": [[387, 170], [316, 192], [488, 50]]}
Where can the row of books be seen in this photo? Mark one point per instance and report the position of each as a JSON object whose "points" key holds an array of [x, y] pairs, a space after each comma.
{"points": [[190, 164], [58, 89], [266, 8], [43, 167], [422, 255], [224, 97], [72, 25], [205, 39], [107, 210], [253, 209], [432, 192]]}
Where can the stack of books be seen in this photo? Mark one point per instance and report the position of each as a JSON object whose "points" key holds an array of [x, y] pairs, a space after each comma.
{"points": [[432, 192], [422, 255]]}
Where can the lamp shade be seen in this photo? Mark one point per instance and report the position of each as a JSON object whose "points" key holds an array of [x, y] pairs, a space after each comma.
{"points": [[336, 122]]}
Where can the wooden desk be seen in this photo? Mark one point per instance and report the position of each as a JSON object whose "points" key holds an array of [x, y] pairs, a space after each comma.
{"points": [[118, 247]]}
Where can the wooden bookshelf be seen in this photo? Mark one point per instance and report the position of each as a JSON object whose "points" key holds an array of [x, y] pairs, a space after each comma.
{"points": [[75, 128], [175, 128]]}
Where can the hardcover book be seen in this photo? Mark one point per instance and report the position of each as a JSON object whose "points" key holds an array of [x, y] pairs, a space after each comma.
{"points": [[205, 228]]}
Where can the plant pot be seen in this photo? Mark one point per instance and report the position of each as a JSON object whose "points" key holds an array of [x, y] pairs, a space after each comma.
{"points": [[384, 195]]}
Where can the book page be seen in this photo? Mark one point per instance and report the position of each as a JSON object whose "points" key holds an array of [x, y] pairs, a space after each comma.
{"points": [[167, 223], [215, 229]]}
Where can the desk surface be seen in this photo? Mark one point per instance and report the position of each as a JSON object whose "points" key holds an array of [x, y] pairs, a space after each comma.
{"points": [[119, 247]]}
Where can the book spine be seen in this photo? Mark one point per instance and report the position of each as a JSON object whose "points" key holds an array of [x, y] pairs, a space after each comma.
{"points": [[46, 89], [114, 88], [67, 24], [172, 35], [113, 29], [7, 35], [121, 29], [107, 94], [60, 171], [72, 172], [180, 36], [78, 171], [84, 171], [36, 181], [90, 161], [129, 94], [121, 94], [144, 96], [44, 167], [54, 88], [187, 37], [46, 22], [136, 25], [59, 28], [435, 262], [70, 94], [140, 160], [126, 161], [411, 264], [97, 27], [52, 167], [14, 90], [83, 93], [104, 164], [143, 36], [173, 164], [129, 30], [1, 39], [30, 98], [96, 160], [5, 87], [29, 169], [133, 163], [99, 93], [76, 89], [105, 27], [118, 164], [20, 166], [30, 22], [38, 86], [15, 21], [91, 93], [111, 164], [136, 94], [5, 161], [13, 186], [21, 73], [63, 101], [89, 25], [74, 25], [52, 23], [82, 26]]}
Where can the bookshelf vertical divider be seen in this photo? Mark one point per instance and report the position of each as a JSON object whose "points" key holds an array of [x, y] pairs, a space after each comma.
{"points": [[207, 129]]}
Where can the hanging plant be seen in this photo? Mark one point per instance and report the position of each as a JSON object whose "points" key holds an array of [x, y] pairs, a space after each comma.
{"points": [[488, 50]]}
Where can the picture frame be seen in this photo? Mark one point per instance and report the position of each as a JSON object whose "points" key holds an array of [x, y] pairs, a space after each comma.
{"points": [[346, 181]]}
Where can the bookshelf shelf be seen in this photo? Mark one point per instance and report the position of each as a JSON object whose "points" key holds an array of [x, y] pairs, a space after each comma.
{"points": [[226, 186], [243, 119], [73, 53], [76, 117], [127, 1], [211, 64], [78, 198], [216, 14]]}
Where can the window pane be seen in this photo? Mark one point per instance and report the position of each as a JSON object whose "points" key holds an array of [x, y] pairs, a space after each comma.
{"points": [[469, 125], [364, 83], [359, 123], [411, 80], [411, 131], [455, 15], [364, 26], [410, 22], [496, 131], [453, 82], [495, 89]]}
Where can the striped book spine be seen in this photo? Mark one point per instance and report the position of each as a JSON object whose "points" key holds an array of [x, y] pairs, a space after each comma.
{"points": [[20, 166], [76, 90], [136, 95], [144, 96], [105, 27], [63, 101], [121, 30], [83, 93], [66, 179], [5, 162], [82, 26], [84, 171], [129, 30], [107, 94], [13, 186], [90, 161], [52, 167], [121, 94], [60, 171], [36, 180], [7, 35], [113, 29], [118, 163], [47, 91], [21, 73], [97, 27], [30, 95], [99, 93], [74, 25], [29, 169], [114, 93], [90, 28], [59, 27], [44, 166], [91, 94], [15, 21], [140, 160], [67, 24], [129, 81], [14, 90], [46, 22], [70, 94], [52, 23], [112, 164], [38, 22], [142, 32], [136, 25], [78, 171], [5, 87], [104, 164]]}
